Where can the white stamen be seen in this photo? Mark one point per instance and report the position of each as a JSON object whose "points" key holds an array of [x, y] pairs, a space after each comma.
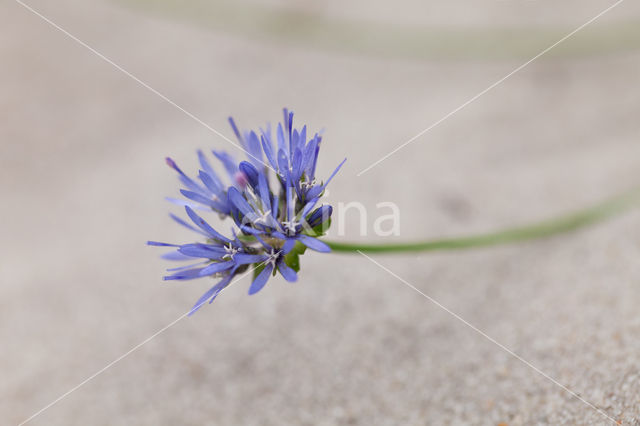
{"points": [[230, 252], [263, 218], [308, 184], [273, 256], [290, 227]]}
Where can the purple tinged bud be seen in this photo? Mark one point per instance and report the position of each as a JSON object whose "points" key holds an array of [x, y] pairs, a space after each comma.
{"points": [[241, 179], [171, 163]]}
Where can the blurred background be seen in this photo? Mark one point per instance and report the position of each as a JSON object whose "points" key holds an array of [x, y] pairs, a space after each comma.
{"points": [[83, 181]]}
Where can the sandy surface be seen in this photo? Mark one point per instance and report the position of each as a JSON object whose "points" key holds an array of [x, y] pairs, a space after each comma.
{"points": [[82, 182]]}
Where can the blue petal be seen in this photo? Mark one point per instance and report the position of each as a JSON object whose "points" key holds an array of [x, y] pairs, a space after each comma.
{"points": [[229, 163], [279, 235], [250, 171], [280, 134], [265, 196], [182, 268], [245, 259], [191, 184], [268, 151], [307, 207], [296, 164], [205, 226], [288, 273], [211, 293], [175, 255], [274, 206], [212, 184], [255, 150], [295, 136], [320, 215], [334, 172], [288, 245], [183, 177], [184, 275], [288, 120], [314, 162], [206, 166], [159, 244], [201, 250], [186, 203], [283, 164], [261, 279], [214, 268], [235, 129], [288, 206], [315, 191], [186, 225], [264, 244], [314, 244], [199, 198], [238, 200], [308, 159], [196, 197], [302, 140], [252, 231]]}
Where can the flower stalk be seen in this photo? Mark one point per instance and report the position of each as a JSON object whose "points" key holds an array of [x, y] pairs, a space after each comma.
{"points": [[589, 216]]}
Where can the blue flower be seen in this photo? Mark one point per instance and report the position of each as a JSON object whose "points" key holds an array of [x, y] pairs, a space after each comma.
{"points": [[274, 223]]}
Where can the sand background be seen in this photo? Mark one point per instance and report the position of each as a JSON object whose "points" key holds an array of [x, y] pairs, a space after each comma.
{"points": [[82, 183]]}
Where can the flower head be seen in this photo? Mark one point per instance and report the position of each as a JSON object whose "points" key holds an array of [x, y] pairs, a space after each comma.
{"points": [[275, 218]]}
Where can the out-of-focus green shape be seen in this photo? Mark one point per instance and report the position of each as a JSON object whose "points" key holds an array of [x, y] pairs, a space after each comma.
{"points": [[309, 30]]}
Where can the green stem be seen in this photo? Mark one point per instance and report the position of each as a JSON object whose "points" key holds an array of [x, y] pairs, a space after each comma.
{"points": [[571, 222]]}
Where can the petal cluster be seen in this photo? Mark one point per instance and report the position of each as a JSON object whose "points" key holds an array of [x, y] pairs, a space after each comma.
{"points": [[272, 199]]}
